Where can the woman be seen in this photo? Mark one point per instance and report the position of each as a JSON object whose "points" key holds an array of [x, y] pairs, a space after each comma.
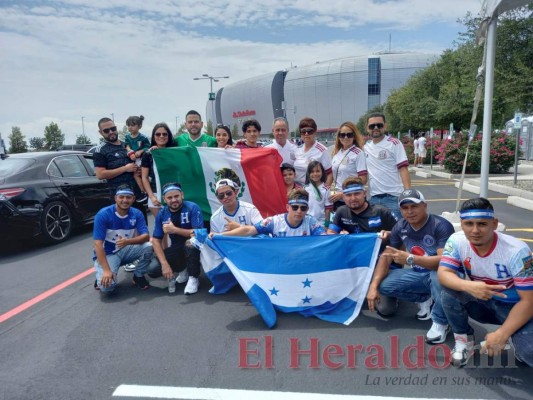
{"points": [[348, 160], [161, 138], [310, 150], [223, 137], [251, 130]]}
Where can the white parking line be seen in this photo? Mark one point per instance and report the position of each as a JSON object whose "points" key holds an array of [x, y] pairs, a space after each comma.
{"points": [[192, 393]]}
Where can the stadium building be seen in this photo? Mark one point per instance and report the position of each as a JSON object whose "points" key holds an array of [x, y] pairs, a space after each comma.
{"points": [[330, 92]]}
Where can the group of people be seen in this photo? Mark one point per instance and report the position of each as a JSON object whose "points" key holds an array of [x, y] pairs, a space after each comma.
{"points": [[478, 272]]}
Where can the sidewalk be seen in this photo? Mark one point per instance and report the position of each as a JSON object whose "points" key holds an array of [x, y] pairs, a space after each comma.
{"points": [[520, 195]]}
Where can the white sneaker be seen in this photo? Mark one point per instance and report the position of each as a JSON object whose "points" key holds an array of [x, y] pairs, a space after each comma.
{"points": [[172, 285], [131, 266], [424, 312], [463, 350], [192, 285], [437, 333], [182, 277]]}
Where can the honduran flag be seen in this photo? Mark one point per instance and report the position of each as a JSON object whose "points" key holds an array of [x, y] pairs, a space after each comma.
{"points": [[322, 276], [198, 169]]}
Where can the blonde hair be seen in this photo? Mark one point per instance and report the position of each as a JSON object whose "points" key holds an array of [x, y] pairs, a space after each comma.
{"points": [[357, 140]]}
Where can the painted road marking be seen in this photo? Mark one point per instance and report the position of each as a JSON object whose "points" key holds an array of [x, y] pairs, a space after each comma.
{"points": [[191, 393], [37, 299], [520, 230]]}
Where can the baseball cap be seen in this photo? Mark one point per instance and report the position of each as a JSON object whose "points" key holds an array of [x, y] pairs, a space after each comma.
{"points": [[226, 182], [411, 196]]}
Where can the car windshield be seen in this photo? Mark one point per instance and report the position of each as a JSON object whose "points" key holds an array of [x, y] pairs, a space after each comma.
{"points": [[11, 166]]}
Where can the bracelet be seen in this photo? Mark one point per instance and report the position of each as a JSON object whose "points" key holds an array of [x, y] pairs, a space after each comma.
{"points": [[130, 153]]}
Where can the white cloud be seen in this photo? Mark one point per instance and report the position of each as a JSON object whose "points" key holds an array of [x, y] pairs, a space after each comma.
{"points": [[73, 58]]}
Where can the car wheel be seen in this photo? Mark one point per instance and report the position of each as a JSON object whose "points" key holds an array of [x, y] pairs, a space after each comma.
{"points": [[56, 222]]}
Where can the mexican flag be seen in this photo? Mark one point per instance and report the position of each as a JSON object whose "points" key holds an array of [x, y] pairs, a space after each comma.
{"points": [[198, 169]]}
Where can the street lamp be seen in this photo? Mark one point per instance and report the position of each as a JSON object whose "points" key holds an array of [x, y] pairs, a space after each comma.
{"points": [[113, 117], [82, 126], [211, 94], [177, 117]]}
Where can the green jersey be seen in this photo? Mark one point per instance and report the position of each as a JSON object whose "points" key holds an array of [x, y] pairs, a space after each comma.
{"points": [[203, 141]]}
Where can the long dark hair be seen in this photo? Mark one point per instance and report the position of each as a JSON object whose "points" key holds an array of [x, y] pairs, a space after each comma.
{"points": [[228, 131], [170, 141], [310, 167]]}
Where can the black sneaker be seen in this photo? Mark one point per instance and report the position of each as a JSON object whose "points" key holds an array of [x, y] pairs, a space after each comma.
{"points": [[141, 282], [96, 287], [142, 197]]}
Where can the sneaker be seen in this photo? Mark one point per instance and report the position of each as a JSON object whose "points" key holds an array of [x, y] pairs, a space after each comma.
{"points": [[141, 282], [463, 349], [172, 285], [182, 277], [131, 266], [96, 287], [142, 197], [437, 333], [424, 312], [192, 285]]}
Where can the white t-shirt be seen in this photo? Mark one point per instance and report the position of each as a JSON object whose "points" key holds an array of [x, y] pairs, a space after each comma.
{"points": [[246, 214], [346, 163], [278, 226], [318, 204], [286, 152], [383, 161], [415, 145], [318, 152]]}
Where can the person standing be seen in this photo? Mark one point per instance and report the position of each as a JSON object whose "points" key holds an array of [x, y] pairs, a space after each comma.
{"points": [[223, 137], [422, 152], [387, 165], [136, 145], [285, 148], [251, 131], [120, 236], [195, 137], [487, 276], [415, 150]]}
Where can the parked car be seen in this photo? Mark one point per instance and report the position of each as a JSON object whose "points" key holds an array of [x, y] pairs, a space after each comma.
{"points": [[47, 194], [78, 147]]}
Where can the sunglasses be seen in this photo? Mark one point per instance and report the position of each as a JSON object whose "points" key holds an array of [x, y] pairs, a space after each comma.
{"points": [[307, 131], [108, 130], [228, 193], [223, 126], [161, 134], [349, 135], [295, 208], [373, 126]]}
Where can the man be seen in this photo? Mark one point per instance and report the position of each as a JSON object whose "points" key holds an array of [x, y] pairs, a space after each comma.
{"points": [[416, 240], [421, 150], [387, 165], [195, 137], [120, 236], [233, 212], [415, 150], [295, 222], [178, 219], [488, 276], [251, 131], [285, 148]]}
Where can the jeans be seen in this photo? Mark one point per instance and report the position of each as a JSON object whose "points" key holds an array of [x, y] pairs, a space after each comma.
{"points": [[458, 306], [410, 285], [389, 201], [142, 252], [180, 257]]}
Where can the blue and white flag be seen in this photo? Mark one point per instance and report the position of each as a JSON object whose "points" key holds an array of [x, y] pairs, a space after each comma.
{"points": [[322, 276]]}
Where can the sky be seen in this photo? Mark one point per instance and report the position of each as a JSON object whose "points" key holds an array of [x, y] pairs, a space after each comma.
{"points": [[74, 61]]}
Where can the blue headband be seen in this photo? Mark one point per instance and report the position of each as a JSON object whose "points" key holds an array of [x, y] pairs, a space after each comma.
{"points": [[128, 192], [471, 214], [353, 188], [170, 188], [299, 201]]}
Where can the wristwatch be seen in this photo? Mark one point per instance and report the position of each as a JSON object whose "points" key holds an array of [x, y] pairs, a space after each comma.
{"points": [[410, 260]]}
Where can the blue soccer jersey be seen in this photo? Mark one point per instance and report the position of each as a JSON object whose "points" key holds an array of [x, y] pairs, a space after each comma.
{"points": [[189, 216]]}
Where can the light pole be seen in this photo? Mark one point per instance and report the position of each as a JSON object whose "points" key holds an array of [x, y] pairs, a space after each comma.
{"points": [[82, 126], [211, 94], [177, 124], [113, 117]]}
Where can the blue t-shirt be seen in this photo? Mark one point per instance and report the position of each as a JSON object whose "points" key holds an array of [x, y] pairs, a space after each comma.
{"points": [[109, 226], [423, 242], [189, 216]]}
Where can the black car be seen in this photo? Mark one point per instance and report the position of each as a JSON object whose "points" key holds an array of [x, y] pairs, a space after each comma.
{"points": [[47, 194]]}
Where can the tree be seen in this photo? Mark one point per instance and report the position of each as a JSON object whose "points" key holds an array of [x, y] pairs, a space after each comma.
{"points": [[181, 129], [53, 137], [122, 134], [83, 139], [234, 131], [37, 143], [18, 144], [209, 128]]}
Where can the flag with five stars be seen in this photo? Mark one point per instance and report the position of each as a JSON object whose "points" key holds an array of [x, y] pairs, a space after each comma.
{"points": [[322, 276]]}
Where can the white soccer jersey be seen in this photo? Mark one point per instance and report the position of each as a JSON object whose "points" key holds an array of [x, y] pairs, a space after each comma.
{"points": [[318, 152], [346, 163], [383, 160], [508, 263], [246, 214], [278, 226], [318, 202], [287, 152]]}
